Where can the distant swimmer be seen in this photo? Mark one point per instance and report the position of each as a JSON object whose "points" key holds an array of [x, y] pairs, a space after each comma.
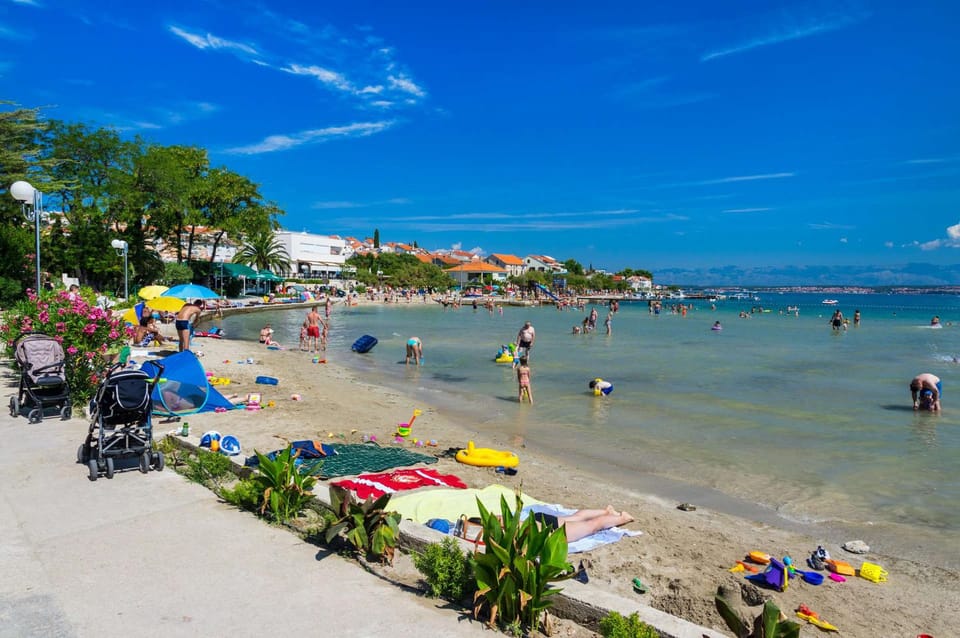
{"points": [[935, 322], [926, 389], [716, 326], [856, 317]]}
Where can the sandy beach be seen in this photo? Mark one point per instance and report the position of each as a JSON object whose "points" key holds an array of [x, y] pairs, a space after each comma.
{"points": [[682, 556]]}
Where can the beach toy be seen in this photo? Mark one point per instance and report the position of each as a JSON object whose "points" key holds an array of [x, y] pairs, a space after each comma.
{"points": [[404, 429], [813, 618], [398, 439], [209, 437], [219, 409], [743, 567], [776, 575], [252, 407], [761, 558], [230, 445], [295, 397], [271, 404], [638, 586], [267, 380], [486, 457], [432, 443], [837, 578], [873, 573], [840, 567]]}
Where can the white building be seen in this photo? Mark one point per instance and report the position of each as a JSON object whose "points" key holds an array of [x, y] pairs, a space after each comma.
{"points": [[313, 256]]}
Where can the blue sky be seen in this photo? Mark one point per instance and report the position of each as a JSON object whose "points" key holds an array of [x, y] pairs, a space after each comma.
{"points": [[651, 135]]}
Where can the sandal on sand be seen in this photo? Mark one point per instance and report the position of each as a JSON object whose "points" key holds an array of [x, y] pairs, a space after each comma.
{"points": [[581, 573], [638, 586], [687, 507]]}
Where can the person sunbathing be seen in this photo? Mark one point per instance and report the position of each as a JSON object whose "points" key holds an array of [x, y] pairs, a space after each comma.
{"points": [[583, 523]]}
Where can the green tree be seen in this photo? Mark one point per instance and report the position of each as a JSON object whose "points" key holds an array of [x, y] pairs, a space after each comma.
{"points": [[573, 266], [376, 238], [263, 251]]}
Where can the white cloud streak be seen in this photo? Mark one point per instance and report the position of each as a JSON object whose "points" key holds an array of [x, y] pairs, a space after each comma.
{"points": [[210, 41], [952, 240], [746, 178], [790, 30], [747, 210], [285, 142]]}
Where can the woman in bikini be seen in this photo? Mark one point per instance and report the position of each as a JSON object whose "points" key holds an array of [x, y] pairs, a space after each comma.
{"points": [[523, 381]]}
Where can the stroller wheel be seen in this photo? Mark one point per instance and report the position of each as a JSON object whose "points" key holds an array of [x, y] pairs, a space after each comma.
{"points": [[82, 454], [158, 461], [65, 413], [36, 415], [94, 469], [145, 462], [109, 472], [14, 406]]}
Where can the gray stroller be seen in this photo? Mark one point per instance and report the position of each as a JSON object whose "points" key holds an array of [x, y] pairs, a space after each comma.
{"points": [[43, 378]]}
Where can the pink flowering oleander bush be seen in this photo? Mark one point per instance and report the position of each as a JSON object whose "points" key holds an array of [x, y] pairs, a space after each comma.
{"points": [[86, 331]]}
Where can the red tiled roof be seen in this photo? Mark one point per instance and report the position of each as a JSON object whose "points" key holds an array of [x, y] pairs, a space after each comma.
{"points": [[480, 266], [511, 260]]}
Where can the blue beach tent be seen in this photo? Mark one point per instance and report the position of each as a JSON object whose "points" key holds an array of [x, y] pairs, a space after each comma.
{"points": [[183, 387]]}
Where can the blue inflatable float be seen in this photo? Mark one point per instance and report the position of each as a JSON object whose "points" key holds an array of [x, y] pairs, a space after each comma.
{"points": [[364, 344]]}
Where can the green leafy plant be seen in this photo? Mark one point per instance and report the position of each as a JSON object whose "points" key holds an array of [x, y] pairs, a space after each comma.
{"points": [[246, 495], [86, 332], [285, 489], [769, 624], [613, 625], [207, 468], [520, 561], [446, 569], [366, 526]]}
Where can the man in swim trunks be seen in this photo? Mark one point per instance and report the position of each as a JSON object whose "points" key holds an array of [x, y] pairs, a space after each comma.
{"points": [[583, 523], [926, 389], [313, 330], [414, 349], [837, 320], [526, 338], [185, 318]]}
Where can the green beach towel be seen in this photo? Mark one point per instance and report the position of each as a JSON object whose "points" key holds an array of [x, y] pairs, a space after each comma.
{"points": [[352, 459], [449, 504]]}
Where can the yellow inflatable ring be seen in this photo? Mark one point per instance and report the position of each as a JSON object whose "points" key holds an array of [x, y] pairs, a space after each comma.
{"points": [[504, 358], [486, 457]]}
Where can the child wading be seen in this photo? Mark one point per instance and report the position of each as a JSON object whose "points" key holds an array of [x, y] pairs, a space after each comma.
{"points": [[523, 381]]}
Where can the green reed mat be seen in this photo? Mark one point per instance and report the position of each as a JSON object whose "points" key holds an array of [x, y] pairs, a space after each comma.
{"points": [[352, 459]]}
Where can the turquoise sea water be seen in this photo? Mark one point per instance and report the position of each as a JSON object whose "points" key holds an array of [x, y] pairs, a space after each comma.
{"points": [[776, 417]]}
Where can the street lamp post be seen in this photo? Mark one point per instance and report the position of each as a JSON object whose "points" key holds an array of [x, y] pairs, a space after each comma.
{"points": [[27, 195], [121, 247]]}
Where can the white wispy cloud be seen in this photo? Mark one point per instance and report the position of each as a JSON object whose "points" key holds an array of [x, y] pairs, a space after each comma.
{"points": [[747, 210], [286, 142], [829, 226], [330, 78], [7, 33], [29, 3], [405, 84], [334, 205], [746, 178], [952, 240], [210, 41], [162, 117], [532, 222], [789, 28]]}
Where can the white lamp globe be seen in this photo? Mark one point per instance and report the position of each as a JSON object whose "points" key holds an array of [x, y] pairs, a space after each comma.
{"points": [[22, 191], [119, 244]]}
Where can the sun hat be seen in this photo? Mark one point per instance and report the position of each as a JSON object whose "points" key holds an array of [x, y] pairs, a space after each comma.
{"points": [[230, 445], [209, 437]]}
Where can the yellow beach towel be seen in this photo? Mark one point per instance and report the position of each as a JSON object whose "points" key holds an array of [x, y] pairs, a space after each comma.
{"points": [[450, 504]]}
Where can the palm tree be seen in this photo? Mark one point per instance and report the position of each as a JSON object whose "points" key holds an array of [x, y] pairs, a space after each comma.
{"points": [[263, 251]]}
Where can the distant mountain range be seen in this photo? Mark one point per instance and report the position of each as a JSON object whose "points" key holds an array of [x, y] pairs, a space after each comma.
{"points": [[914, 274]]}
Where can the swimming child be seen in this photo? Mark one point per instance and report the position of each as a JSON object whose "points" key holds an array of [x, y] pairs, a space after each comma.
{"points": [[523, 381], [600, 387]]}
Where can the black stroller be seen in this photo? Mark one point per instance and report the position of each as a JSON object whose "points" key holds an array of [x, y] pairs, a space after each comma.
{"points": [[43, 378], [120, 422]]}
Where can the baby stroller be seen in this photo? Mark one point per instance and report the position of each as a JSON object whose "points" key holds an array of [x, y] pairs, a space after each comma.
{"points": [[120, 422], [43, 379]]}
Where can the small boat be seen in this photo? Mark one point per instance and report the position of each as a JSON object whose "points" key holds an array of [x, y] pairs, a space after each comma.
{"points": [[829, 302], [364, 344], [793, 308]]}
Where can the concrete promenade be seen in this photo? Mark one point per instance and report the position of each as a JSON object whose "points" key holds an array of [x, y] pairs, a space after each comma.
{"points": [[154, 555]]}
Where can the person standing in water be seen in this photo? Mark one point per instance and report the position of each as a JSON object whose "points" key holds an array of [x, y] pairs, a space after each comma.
{"points": [[525, 339], [523, 381], [414, 350]]}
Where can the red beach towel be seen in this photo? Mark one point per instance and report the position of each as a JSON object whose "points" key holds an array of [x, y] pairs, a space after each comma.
{"points": [[376, 485]]}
